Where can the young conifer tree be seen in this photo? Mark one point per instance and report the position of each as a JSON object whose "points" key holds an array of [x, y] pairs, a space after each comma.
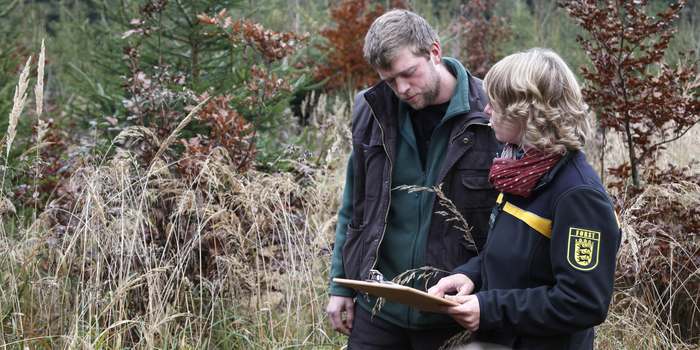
{"points": [[163, 57]]}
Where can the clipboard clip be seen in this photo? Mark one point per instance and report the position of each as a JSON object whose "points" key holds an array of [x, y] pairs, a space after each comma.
{"points": [[377, 277]]}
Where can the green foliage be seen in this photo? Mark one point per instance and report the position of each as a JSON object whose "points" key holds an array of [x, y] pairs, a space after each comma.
{"points": [[161, 55], [541, 24], [18, 43], [89, 65], [9, 63]]}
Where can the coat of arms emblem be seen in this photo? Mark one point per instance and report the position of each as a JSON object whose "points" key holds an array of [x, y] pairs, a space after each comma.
{"points": [[583, 248]]}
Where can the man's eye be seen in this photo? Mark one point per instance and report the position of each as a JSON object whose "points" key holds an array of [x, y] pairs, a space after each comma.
{"points": [[409, 73]]}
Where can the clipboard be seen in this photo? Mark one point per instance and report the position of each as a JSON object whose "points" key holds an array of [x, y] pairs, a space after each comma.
{"points": [[398, 293]]}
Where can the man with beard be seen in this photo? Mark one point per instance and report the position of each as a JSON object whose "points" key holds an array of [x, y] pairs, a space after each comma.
{"points": [[423, 125]]}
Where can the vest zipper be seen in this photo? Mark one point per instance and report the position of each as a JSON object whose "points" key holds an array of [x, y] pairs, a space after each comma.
{"points": [[388, 204]]}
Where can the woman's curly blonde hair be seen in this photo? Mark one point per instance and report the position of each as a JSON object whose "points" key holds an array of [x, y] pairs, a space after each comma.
{"points": [[537, 89]]}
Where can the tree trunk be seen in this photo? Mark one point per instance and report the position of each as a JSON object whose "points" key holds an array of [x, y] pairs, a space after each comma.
{"points": [[632, 156], [603, 144]]}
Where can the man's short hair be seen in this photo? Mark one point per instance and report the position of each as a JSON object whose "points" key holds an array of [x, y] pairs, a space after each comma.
{"points": [[395, 30], [536, 88]]}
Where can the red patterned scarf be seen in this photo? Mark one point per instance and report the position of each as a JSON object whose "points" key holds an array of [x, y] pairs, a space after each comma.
{"points": [[519, 176]]}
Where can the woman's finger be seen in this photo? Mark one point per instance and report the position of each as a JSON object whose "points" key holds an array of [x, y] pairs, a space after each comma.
{"points": [[458, 298]]}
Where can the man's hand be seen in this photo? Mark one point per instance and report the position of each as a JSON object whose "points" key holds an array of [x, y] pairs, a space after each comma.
{"points": [[454, 283], [467, 314], [337, 306]]}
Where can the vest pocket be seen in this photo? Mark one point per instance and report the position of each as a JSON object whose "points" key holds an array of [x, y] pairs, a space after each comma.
{"points": [[353, 252], [476, 161], [475, 182], [479, 192], [375, 160]]}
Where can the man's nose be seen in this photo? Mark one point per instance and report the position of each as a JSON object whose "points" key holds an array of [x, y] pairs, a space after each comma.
{"points": [[402, 86]]}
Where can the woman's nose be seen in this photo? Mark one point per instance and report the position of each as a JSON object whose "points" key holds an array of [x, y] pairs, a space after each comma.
{"points": [[488, 110]]}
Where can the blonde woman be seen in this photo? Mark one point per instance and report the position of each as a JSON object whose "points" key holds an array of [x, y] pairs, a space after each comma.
{"points": [[545, 276]]}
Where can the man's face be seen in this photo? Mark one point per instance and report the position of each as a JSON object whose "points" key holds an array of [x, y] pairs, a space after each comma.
{"points": [[414, 79]]}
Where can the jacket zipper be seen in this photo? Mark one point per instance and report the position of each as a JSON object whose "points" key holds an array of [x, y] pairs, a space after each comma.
{"points": [[498, 210], [391, 166]]}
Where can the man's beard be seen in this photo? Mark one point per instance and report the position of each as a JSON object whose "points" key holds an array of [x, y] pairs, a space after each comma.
{"points": [[430, 94]]}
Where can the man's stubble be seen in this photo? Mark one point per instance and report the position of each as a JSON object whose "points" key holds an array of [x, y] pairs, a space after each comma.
{"points": [[432, 91]]}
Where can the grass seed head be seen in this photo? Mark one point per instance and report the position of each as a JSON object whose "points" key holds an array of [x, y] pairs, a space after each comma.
{"points": [[39, 88], [18, 102]]}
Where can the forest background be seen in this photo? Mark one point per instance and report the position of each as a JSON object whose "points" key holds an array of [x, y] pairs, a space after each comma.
{"points": [[171, 169]]}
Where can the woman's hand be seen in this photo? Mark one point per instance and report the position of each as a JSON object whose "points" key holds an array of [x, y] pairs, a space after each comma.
{"points": [[454, 283], [467, 314]]}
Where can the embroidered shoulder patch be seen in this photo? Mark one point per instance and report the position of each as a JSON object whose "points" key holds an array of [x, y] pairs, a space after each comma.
{"points": [[583, 248]]}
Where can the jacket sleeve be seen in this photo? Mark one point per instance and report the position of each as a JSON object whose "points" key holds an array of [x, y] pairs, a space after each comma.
{"points": [[584, 242], [337, 268], [472, 269]]}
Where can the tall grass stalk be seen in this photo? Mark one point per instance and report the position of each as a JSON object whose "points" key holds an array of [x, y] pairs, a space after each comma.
{"points": [[18, 102], [39, 88], [41, 126]]}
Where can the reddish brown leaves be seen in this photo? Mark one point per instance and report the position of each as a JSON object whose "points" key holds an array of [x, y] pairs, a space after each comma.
{"points": [[264, 86], [651, 102], [481, 34], [630, 85], [228, 131], [344, 66], [271, 45]]}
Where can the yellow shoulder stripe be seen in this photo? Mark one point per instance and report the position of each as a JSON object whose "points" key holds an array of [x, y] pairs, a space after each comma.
{"points": [[536, 222]]}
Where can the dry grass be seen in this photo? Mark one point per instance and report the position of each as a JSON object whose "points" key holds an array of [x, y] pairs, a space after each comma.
{"points": [[132, 255], [18, 102], [682, 152], [240, 253], [656, 304], [39, 88]]}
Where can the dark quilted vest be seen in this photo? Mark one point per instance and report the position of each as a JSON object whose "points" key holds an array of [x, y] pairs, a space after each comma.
{"points": [[463, 175]]}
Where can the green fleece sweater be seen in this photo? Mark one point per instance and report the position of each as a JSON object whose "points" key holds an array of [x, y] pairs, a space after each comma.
{"points": [[404, 242]]}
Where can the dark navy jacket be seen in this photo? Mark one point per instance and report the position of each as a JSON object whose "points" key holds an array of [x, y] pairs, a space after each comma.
{"points": [[545, 277]]}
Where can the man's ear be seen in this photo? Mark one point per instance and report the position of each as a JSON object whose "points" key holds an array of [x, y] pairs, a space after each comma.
{"points": [[436, 53]]}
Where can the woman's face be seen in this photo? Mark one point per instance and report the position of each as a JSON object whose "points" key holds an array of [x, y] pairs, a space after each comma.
{"points": [[506, 131]]}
